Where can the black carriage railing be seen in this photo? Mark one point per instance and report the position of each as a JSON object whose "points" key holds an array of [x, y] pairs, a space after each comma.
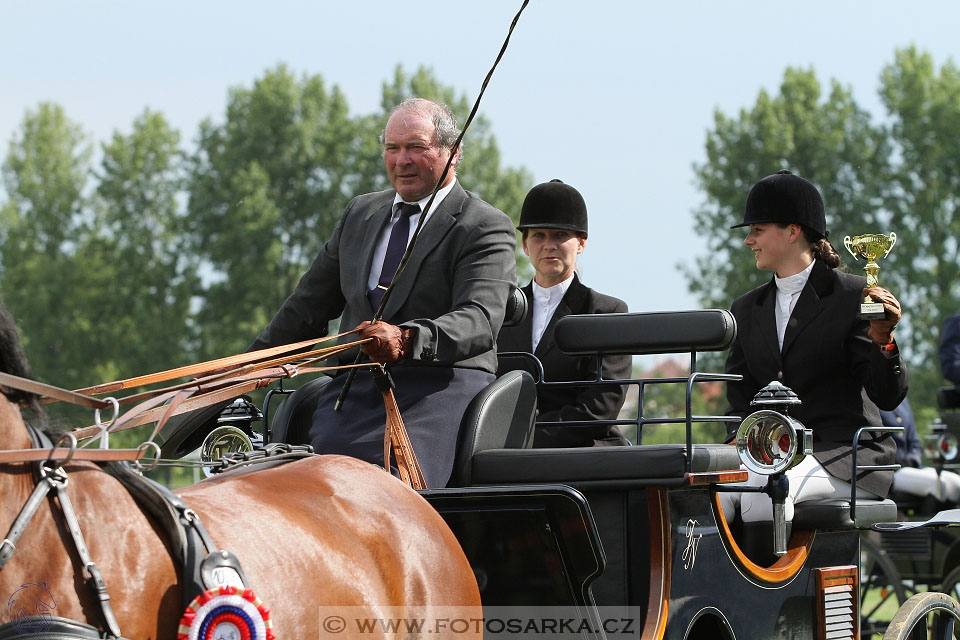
{"points": [[278, 391], [866, 467], [688, 419]]}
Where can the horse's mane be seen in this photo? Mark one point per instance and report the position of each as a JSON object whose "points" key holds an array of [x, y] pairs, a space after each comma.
{"points": [[13, 360]]}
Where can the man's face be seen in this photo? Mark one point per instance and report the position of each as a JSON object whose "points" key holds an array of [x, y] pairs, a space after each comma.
{"points": [[414, 162]]}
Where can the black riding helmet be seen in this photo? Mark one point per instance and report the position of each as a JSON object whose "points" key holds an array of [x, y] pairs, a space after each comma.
{"points": [[786, 199], [554, 205]]}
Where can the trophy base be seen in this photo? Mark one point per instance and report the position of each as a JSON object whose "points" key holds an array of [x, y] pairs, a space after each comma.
{"points": [[872, 311]]}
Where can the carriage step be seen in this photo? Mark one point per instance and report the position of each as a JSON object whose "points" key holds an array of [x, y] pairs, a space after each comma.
{"points": [[946, 518]]}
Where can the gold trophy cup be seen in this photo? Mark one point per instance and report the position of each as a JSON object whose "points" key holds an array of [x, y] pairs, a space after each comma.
{"points": [[871, 246]]}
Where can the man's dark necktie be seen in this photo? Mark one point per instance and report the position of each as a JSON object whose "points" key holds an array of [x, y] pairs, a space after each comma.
{"points": [[395, 249]]}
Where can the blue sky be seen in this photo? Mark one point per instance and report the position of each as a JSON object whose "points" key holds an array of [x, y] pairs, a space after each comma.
{"points": [[612, 97]]}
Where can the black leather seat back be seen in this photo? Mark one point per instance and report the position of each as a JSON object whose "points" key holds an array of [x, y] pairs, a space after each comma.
{"points": [[500, 417], [291, 423], [646, 333], [517, 308]]}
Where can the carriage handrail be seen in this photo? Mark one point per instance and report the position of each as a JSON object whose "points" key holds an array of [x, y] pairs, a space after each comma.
{"points": [[693, 378], [866, 467], [278, 391], [688, 419]]}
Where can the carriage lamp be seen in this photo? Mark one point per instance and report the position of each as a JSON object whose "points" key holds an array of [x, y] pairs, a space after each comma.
{"points": [[948, 446], [941, 444], [223, 441], [770, 441], [233, 433]]}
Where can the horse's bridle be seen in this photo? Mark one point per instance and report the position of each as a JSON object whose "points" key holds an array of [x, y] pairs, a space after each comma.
{"points": [[52, 480]]}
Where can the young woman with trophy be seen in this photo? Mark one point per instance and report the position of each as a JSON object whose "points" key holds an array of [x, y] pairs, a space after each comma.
{"points": [[804, 329]]}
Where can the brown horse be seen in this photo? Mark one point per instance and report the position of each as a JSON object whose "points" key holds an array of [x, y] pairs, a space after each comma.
{"points": [[311, 535]]}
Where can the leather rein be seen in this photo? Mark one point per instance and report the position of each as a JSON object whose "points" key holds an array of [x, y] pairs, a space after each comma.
{"points": [[219, 380]]}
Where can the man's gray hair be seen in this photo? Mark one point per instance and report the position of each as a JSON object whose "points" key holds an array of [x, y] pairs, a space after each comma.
{"points": [[445, 129]]}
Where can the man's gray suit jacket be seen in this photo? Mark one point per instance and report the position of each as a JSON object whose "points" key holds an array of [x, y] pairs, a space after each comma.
{"points": [[453, 290]]}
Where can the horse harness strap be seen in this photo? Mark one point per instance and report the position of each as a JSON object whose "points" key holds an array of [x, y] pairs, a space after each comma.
{"points": [[48, 391], [64, 455], [395, 435], [48, 483], [48, 627], [94, 577], [273, 454], [53, 480], [203, 566]]}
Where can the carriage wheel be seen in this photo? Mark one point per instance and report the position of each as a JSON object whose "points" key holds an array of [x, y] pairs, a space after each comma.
{"points": [[951, 584], [881, 590], [925, 616]]}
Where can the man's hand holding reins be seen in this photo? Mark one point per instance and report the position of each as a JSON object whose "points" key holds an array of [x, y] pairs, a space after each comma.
{"points": [[388, 343]]}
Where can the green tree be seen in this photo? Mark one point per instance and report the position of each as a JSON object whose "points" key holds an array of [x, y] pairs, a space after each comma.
{"points": [[266, 189], [827, 139], [138, 277], [45, 175], [95, 279], [922, 202]]}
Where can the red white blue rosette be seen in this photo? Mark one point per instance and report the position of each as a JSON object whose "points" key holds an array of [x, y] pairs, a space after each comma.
{"points": [[226, 612]]}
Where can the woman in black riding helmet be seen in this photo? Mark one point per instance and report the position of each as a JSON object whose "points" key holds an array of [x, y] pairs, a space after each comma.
{"points": [[553, 221]]}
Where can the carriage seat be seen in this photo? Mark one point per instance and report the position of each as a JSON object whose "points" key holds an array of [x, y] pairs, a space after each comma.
{"points": [[291, 423], [615, 334], [649, 464], [835, 513], [496, 434], [500, 417]]}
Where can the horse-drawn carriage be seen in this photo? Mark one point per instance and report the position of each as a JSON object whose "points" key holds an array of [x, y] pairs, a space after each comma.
{"points": [[615, 542], [631, 541]]}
